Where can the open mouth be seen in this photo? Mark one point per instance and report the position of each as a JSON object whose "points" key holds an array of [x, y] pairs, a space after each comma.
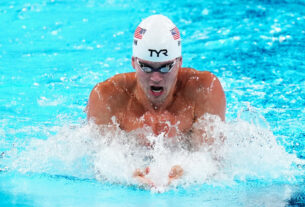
{"points": [[156, 90]]}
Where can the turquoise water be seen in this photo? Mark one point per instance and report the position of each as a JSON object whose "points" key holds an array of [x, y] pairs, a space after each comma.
{"points": [[53, 52]]}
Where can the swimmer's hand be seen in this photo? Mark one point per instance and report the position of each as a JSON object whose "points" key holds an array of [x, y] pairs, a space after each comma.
{"points": [[175, 173], [140, 176]]}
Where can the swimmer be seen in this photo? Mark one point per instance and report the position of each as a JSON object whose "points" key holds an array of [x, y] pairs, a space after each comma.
{"points": [[160, 93]]}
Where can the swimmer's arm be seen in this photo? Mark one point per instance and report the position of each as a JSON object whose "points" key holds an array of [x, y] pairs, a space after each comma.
{"points": [[211, 100]]}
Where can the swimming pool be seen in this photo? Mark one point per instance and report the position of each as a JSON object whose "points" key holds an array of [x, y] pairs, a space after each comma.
{"points": [[53, 52]]}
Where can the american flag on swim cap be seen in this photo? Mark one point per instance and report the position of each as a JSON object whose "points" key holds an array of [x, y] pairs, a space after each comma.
{"points": [[176, 34], [139, 32]]}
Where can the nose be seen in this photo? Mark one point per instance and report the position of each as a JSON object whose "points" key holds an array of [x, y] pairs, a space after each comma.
{"points": [[156, 77]]}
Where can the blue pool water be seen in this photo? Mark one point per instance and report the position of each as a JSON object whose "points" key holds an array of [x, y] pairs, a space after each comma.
{"points": [[53, 52]]}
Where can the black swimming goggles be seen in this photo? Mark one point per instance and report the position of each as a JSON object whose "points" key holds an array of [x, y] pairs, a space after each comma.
{"points": [[163, 69]]}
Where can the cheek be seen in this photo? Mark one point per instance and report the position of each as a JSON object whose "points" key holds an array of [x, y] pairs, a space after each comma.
{"points": [[143, 78], [170, 79]]}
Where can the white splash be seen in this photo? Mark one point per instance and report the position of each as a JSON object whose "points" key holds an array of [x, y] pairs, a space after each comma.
{"points": [[110, 154]]}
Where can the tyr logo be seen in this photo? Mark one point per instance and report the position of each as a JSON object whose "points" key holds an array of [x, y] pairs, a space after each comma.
{"points": [[163, 51]]}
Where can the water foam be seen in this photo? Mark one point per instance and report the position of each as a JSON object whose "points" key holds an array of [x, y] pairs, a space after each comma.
{"points": [[249, 151]]}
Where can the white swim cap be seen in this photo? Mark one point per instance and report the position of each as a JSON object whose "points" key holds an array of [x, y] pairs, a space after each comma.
{"points": [[157, 39]]}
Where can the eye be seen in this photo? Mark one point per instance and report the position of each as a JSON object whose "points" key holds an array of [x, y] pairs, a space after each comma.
{"points": [[145, 68], [165, 69], [169, 66]]}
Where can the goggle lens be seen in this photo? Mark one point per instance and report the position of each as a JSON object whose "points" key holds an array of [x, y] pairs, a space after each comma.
{"points": [[163, 69]]}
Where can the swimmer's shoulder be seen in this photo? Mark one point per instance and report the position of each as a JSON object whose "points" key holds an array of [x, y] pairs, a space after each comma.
{"points": [[191, 77], [204, 90], [109, 97], [194, 81], [119, 83], [115, 89]]}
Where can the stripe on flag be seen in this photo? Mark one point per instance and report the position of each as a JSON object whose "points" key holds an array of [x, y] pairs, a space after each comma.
{"points": [[176, 34], [139, 33]]}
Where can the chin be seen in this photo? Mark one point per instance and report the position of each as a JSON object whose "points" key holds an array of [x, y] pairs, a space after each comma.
{"points": [[157, 100]]}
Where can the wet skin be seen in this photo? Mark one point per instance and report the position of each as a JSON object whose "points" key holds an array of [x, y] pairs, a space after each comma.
{"points": [[186, 95], [160, 101]]}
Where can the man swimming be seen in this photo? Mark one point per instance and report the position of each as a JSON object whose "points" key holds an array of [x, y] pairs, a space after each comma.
{"points": [[160, 93]]}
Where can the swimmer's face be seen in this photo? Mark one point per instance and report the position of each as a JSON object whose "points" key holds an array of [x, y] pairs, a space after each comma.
{"points": [[157, 85]]}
